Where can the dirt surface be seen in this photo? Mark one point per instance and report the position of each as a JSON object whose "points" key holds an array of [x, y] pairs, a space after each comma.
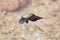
{"points": [[47, 28], [12, 5]]}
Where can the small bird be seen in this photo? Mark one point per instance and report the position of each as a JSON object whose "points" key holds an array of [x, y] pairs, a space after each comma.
{"points": [[23, 20], [31, 17]]}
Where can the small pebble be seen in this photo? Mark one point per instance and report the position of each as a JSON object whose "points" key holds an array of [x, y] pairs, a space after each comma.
{"points": [[37, 36]]}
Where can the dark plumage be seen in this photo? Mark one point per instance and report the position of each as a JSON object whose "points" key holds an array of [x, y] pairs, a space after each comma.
{"points": [[22, 20], [30, 17], [34, 18]]}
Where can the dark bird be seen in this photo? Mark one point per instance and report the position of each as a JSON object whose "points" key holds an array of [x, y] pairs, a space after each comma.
{"points": [[23, 20], [31, 17]]}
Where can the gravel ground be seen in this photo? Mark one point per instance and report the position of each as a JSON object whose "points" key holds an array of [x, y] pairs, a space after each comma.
{"points": [[47, 28]]}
